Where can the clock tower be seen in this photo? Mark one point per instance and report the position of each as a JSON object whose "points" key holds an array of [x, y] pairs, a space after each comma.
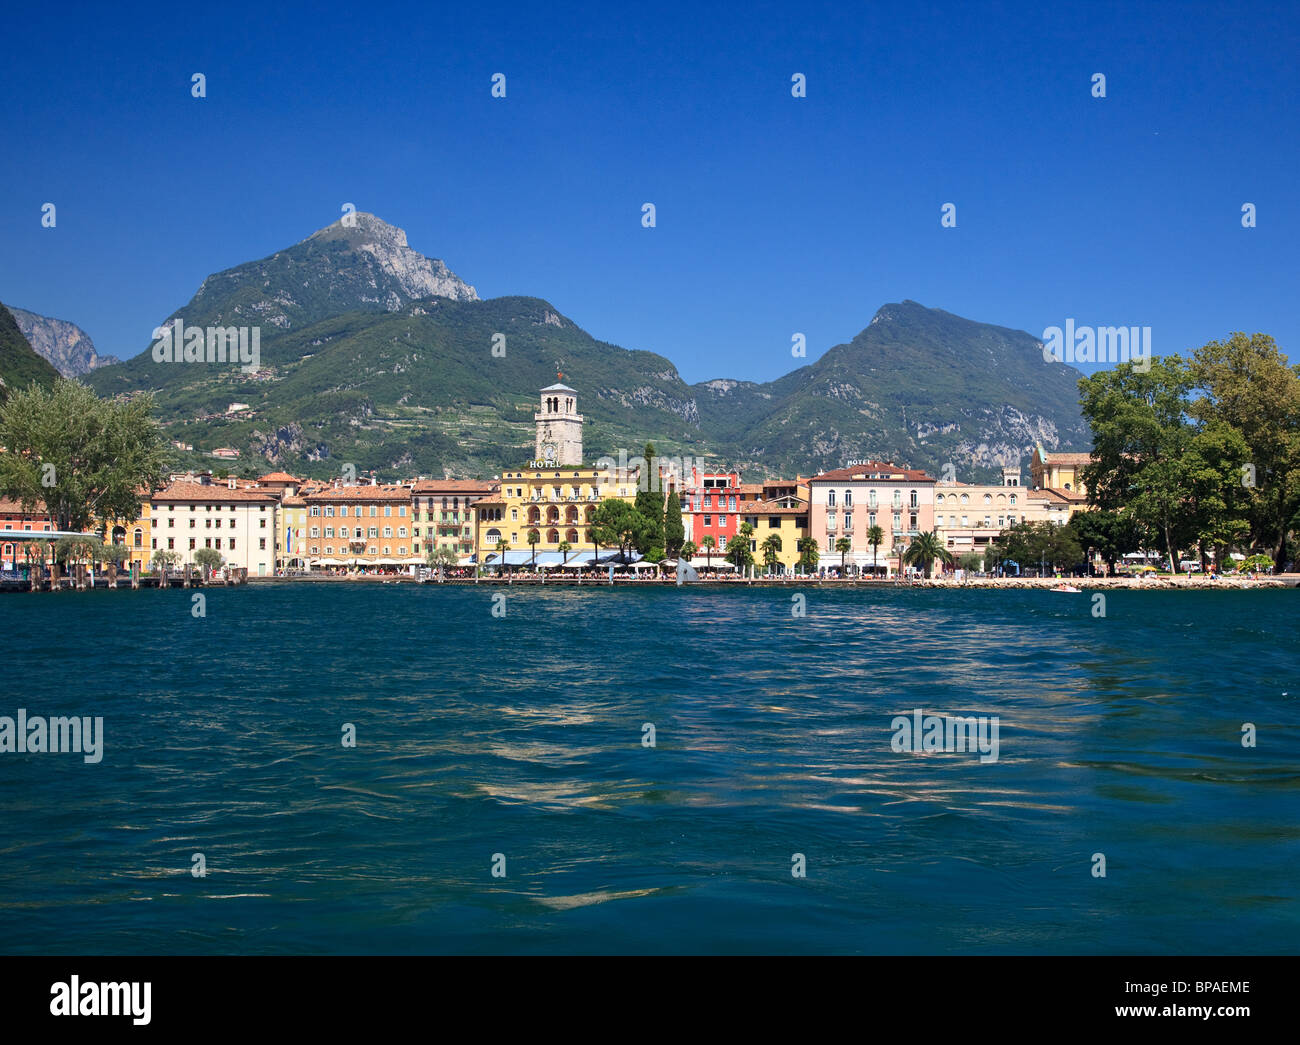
{"points": [[559, 426]]}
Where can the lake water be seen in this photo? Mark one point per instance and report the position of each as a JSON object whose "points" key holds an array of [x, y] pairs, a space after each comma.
{"points": [[522, 735]]}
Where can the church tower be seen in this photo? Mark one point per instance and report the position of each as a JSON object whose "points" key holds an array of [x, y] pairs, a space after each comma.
{"points": [[559, 426]]}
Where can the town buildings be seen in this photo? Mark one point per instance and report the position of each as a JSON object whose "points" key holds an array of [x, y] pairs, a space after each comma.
{"points": [[848, 502], [239, 522]]}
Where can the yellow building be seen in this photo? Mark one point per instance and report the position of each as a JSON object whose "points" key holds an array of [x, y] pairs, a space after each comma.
{"points": [[780, 509], [559, 502], [1061, 475], [444, 513], [136, 534]]}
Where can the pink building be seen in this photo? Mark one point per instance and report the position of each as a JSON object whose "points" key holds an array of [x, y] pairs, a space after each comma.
{"points": [[847, 502]]}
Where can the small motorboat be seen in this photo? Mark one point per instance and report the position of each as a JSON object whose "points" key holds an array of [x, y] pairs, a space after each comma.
{"points": [[1066, 587]]}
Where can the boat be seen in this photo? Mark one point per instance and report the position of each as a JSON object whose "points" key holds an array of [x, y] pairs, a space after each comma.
{"points": [[1066, 587]]}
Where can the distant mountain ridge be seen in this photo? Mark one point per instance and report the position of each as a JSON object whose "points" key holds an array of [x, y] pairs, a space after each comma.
{"points": [[63, 344], [377, 356], [20, 364]]}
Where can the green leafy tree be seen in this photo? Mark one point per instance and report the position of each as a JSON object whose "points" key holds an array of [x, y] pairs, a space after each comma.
{"points": [[115, 553], [72, 550], [164, 560], [439, 557], [843, 545], [971, 562], [688, 550], [618, 524], [771, 548], [925, 549], [708, 544], [809, 554], [650, 503], [209, 559], [1247, 385], [738, 550], [81, 456], [875, 538], [674, 528]]}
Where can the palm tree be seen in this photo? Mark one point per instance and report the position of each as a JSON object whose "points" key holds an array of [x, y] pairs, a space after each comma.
{"points": [[808, 554], [844, 546], [708, 544], [503, 546], [924, 549], [564, 547], [771, 548], [533, 538], [875, 538], [688, 550]]}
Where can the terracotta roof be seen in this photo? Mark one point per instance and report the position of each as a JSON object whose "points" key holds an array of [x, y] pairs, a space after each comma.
{"points": [[456, 486], [293, 501], [277, 477], [772, 508], [360, 493], [749, 488], [10, 507], [215, 492], [892, 471], [1070, 496], [1066, 458]]}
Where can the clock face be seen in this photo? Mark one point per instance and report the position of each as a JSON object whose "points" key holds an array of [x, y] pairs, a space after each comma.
{"points": [[548, 452]]}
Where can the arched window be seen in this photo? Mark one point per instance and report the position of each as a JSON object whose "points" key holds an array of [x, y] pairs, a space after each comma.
{"points": [[571, 514], [988, 499], [912, 501], [137, 538], [572, 537], [848, 498], [830, 498], [552, 537]]}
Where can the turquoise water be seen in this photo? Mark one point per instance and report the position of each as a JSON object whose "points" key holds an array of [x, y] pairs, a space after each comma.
{"points": [[522, 735]]}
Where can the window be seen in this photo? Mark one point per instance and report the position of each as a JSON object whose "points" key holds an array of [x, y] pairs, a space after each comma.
{"points": [[356, 512], [171, 542], [830, 498], [374, 510], [315, 531], [138, 537], [388, 511], [912, 521], [731, 503], [388, 531], [192, 542], [871, 499], [848, 498], [329, 510], [722, 544], [830, 520], [898, 520], [988, 498], [708, 501], [708, 520], [898, 498], [315, 509], [912, 501], [261, 543], [1013, 498], [193, 522], [329, 531], [401, 531], [848, 520], [773, 522], [374, 532], [963, 520], [871, 518]]}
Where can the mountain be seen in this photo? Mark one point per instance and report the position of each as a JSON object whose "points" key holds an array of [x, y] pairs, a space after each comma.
{"points": [[918, 385], [375, 356], [20, 365], [64, 344]]}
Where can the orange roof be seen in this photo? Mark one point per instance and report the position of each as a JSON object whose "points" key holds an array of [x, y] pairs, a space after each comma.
{"points": [[772, 508], [891, 472], [456, 486], [361, 493], [1067, 458], [277, 477], [215, 492]]}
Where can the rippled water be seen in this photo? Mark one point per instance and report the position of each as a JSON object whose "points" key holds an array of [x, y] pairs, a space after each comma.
{"points": [[522, 736]]}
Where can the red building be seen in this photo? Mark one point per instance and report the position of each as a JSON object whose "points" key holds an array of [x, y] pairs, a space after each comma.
{"points": [[711, 507]]}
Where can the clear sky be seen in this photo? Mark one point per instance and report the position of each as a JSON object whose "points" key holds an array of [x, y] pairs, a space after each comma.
{"points": [[775, 214]]}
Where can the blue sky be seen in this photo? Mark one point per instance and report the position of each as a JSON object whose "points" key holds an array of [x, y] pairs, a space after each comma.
{"points": [[775, 215]]}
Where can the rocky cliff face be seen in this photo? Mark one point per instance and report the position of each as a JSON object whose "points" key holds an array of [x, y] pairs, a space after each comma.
{"points": [[409, 272], [63, 344]]}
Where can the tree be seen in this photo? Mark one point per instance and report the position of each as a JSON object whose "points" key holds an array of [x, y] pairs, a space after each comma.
{"points": [[971, 562], [564, 547], [708, 544], [81, 456], [503, 546], [439, 557], [844, 546], [1111, 534], [115, 553], [771, 548], [809, 554], [688, 550], [925, 549], [650, 503], [875, 538], [72, 550], [674, 528], [617, 523], [209, 559], [1246, 384], [738, 551], [533, 538], [164, 560]]}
